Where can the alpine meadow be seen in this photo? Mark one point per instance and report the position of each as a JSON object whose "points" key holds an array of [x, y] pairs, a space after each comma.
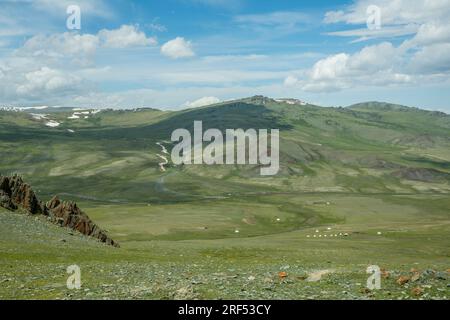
{"points": [[236, 151]]}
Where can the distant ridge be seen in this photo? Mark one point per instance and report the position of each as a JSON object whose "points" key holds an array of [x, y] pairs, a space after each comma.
{"points": [[256, 99], [385, 106]]}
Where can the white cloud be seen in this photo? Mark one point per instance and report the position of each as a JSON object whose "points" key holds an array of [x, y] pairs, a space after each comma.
{"points": [[433, 59], [81, 48], [290, 81], [78, 48], [376, 65], [423, 58], [205, 101], [365, 34], [431, 33], [49, 67], [398, 18], [330, 68], [398, 12], [177, 48], [47, 81], [124, 37]]}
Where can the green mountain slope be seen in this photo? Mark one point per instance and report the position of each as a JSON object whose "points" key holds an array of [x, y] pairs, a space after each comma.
{"points": [[111, 155], [376, 172]]}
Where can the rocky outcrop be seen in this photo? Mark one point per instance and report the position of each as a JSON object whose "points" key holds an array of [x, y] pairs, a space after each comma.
{"points": [[67, 214], [15, 194]]}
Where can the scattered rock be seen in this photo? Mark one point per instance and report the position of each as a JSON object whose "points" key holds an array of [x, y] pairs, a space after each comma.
{"points": [[415, 277], [441, 275], [417, 291], [316, 276], [403, 280], [429, 273]]}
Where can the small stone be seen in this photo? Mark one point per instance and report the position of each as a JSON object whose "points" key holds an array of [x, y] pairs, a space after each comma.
{"points": [[441, 276], [403, 280], [415, 277], [417, 291]]}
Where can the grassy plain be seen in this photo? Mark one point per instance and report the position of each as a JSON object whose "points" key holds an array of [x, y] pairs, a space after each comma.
{"points": [[377, 172]]}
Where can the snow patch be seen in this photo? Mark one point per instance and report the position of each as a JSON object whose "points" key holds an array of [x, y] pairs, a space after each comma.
{"points": [[52, 124]]}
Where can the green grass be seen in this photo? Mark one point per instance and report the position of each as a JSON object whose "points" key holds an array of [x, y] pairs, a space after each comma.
{"points": [[151, 264], [177, 229]]}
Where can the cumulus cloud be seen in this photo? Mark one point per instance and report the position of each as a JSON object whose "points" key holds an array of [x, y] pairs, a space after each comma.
{"points": [[47, 81], [377, 65], [177, 48], [81, 48], [124, 37], [59, 64], [398, 18], [430, 33], [433, 59], [399, 12], [423, 58], [74, 43], [61, 46], [205, 101]]}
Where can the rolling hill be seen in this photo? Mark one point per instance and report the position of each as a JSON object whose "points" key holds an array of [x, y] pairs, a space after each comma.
{"points": [[375, 171]]}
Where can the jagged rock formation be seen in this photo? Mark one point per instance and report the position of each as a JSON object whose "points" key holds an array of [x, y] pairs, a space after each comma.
{"points": [[15, 194], [68, 214]]}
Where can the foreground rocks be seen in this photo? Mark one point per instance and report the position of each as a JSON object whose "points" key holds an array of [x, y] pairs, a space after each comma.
{"points": [[15, 194]]}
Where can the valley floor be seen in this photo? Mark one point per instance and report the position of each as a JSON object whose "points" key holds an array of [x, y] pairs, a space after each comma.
{"points": [[253, 248]]}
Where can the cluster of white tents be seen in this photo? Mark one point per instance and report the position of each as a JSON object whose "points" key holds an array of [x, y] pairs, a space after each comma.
{"points": [[327, 235]]}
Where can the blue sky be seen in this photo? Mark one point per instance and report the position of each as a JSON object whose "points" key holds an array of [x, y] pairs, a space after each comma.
{"points": [[177, 53]]}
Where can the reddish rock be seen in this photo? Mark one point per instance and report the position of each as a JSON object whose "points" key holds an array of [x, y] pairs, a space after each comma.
{"points": [[417, 291], [384, 273], [403, 279], [16, 194], [69, 215]]}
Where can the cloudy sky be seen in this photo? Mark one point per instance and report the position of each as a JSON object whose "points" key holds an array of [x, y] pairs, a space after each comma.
{"points": [[176, 53]]}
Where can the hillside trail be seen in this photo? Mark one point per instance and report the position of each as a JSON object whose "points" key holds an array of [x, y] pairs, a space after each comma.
{"points": [[164, 158]]}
